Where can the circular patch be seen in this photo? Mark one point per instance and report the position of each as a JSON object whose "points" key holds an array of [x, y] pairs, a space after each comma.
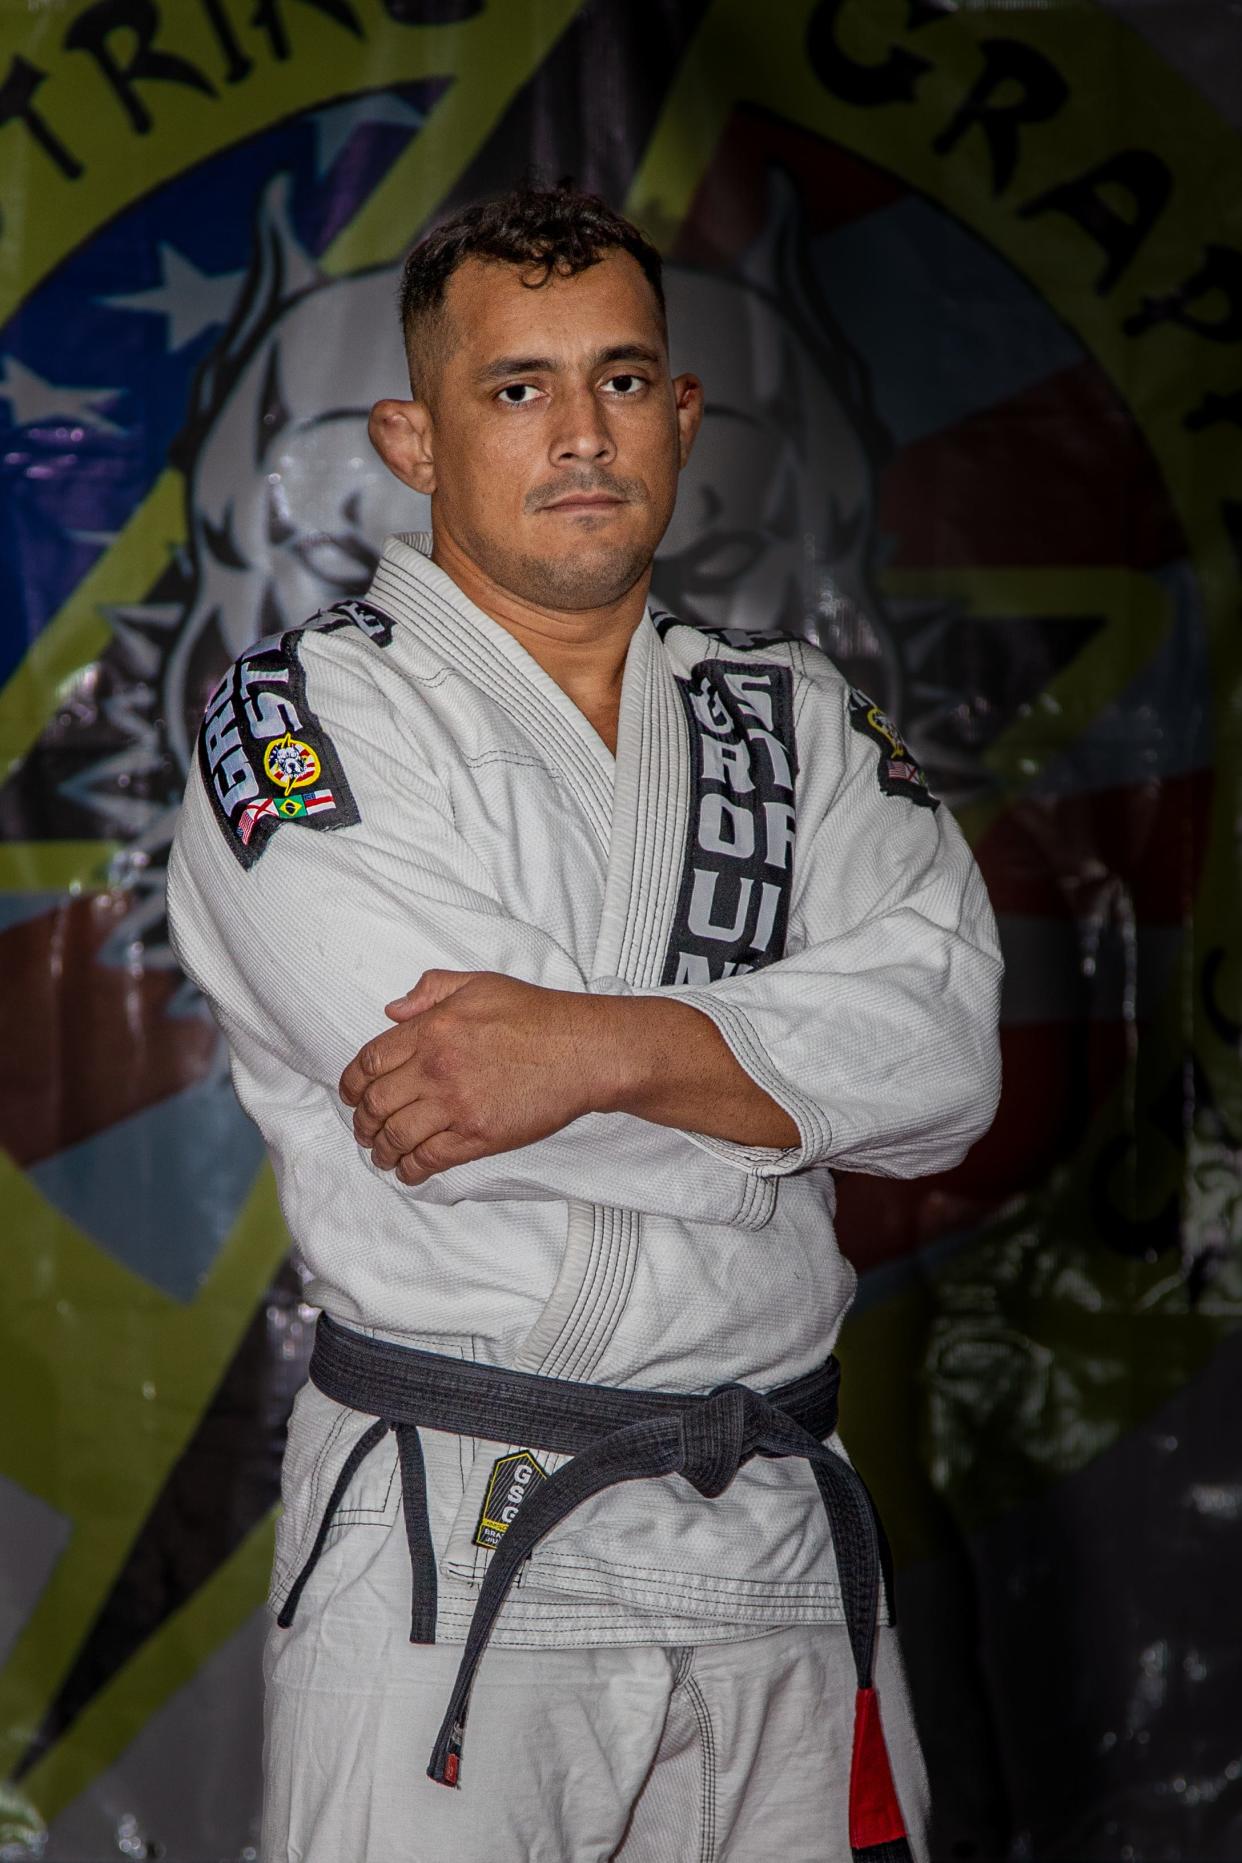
{"points": [[291, 763]]}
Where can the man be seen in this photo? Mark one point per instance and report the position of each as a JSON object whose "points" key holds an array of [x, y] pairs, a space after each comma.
{"points": [[659, 921]]}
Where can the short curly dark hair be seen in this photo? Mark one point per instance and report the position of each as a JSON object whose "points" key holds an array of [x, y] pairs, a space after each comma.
{"points": [[547, 231]]}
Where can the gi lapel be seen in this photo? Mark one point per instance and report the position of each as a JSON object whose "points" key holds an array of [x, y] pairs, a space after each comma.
{"points": [[651, 787], [700, 872], [648, 832], [485, 653], [700, 869]]}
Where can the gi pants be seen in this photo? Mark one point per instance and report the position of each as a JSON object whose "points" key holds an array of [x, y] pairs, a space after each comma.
{"points": [[716, 1752]]}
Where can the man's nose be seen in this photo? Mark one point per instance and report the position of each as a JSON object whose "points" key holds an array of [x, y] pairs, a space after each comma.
{"points": [[582, 431]]}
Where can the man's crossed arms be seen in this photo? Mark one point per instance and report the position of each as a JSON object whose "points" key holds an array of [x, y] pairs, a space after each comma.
{"points": [[480, 1063]]}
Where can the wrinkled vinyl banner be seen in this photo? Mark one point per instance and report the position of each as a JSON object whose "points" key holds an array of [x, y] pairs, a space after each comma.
{"points": [[965, 287]]}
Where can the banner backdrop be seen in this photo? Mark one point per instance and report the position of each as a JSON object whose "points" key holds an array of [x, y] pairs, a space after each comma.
{"points": [[964, 283]]}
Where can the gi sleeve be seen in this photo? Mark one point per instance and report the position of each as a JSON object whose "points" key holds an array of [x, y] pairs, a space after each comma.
{"points": [[877, 1032], [301, 943]]}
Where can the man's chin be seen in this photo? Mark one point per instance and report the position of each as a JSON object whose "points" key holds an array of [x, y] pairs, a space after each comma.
{"points": [[575, 580]]}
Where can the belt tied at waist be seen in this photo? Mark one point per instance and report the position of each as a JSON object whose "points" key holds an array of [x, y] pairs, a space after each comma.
{"points": [[613, 1436]]}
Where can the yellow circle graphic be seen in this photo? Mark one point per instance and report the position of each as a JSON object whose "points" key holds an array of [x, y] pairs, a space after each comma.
{"points": [[291, 763]]}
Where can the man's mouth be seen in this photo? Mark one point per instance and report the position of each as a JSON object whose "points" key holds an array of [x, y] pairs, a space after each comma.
{"points": [[585, 501]]}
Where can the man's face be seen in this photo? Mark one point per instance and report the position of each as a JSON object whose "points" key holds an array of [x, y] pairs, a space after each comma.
{"points": [[555, 432]]}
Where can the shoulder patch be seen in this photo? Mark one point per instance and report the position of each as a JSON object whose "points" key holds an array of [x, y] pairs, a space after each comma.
{"points": [[373, 622], [899, 772], [740, 639], [264, 757]]}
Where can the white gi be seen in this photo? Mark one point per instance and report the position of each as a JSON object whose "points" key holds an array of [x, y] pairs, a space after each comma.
{"points": [[400, 787]]}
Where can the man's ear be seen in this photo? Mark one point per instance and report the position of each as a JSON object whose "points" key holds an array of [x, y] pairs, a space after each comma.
{"points": [[400, 432], [688, 395]]}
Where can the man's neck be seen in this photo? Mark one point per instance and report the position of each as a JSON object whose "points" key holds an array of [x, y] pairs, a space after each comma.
{"points": [[583, 650]]}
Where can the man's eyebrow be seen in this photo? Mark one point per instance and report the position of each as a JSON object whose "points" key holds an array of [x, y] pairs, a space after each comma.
{"points": [[505, 366], [516, 365], [626, 352]]}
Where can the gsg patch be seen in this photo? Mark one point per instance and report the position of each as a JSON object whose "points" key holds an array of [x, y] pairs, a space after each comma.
{"points": [[513, 1478], [899, 772], [264, 756]]}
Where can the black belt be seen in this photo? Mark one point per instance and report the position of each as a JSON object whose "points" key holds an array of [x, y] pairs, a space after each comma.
{"points": [[613, 1436]]}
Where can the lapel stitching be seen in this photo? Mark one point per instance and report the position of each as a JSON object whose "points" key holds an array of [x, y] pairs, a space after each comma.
{"points": [[464, 642]]}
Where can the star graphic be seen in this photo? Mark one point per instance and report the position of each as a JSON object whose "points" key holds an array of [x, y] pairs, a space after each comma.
{"points": [[34, 401], [192, 301], [334, 127]]}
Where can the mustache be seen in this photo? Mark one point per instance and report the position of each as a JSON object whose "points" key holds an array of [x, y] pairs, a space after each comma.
{"points": [[630, 491]]}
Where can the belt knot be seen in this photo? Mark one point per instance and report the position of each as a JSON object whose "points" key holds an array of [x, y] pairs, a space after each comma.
{"points": [[714, 1434]]}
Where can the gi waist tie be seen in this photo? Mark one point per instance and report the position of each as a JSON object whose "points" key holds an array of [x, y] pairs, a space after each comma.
{"points": [[613, 1435]]}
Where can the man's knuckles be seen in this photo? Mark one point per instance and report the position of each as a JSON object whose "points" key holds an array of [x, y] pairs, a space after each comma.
{"points": [[396, 1087], [456, 1144], [437, 1153], [380, 1099], [389, 1049], [404, 1132], [372, 1059]]}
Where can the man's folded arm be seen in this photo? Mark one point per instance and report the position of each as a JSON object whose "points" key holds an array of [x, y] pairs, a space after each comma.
{"points": [[302, 950], [877, 1034]]}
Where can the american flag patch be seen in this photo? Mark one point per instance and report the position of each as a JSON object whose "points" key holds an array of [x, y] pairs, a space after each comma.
{"points": [[250, 815]]}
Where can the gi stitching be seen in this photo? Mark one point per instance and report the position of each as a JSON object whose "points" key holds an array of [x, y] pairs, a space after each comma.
{"points": [[553, 1357], [282, 1575], [707, 1777], [372, 1516], [651, 875], [627, 1264], [520, 696], [593, 1299], [621, 1227], [474, 653], [708, 1583]]}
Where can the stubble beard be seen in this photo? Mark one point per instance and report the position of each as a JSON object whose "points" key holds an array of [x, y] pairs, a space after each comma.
{"points": [[589, 573], [590, 576]]}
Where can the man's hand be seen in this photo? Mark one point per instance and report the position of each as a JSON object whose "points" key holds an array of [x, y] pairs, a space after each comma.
{"points": [[479, 1064]]}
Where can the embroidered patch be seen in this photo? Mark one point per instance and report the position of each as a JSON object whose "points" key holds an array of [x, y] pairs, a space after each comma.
{"points": [[290, 762], [740, 638], [899, 772], [737, 872], [513, 1478], [375, 624], [264, 755], [290, 807]]}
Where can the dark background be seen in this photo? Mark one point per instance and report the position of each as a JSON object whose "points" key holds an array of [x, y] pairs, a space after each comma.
{"points": [[965, 287]]}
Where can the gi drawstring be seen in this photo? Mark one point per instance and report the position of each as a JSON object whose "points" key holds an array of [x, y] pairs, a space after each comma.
{"points": [[614, 1436]]}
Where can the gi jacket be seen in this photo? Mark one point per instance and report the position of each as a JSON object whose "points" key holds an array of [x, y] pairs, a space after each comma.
{"points": [[399, 786]]}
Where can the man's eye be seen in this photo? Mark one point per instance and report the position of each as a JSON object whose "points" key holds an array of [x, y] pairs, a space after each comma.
{"points": [[517, 394], [626, 385]]}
